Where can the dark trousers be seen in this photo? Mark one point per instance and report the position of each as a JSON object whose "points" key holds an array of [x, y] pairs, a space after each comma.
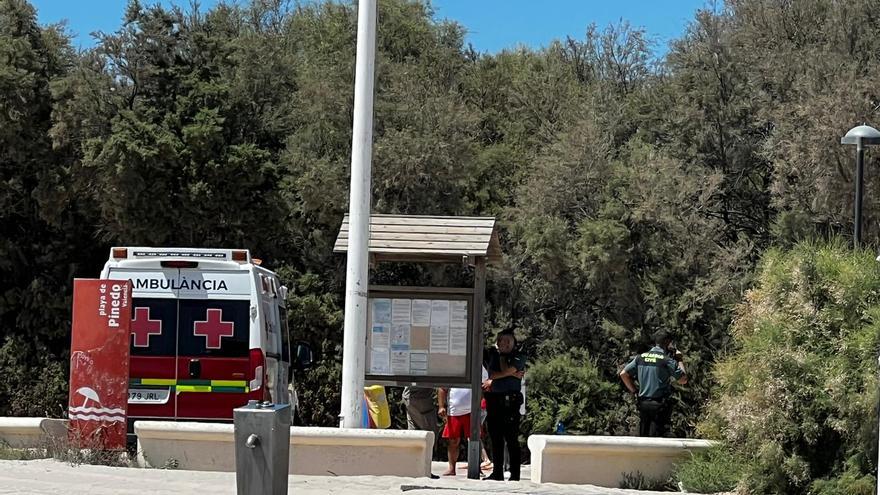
{"points": [[653, 417], [502, 421]]}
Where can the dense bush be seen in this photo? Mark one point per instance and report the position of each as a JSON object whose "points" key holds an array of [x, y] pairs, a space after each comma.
{"points": [[717, 470], [797, 400], [32, 391], [569, 388]]}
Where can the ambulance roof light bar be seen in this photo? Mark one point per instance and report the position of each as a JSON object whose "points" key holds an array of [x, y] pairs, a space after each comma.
{"points": [[241, 256]]}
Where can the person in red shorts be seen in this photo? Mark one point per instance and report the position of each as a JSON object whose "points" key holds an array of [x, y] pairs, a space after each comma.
{"points": [[455, 409]]}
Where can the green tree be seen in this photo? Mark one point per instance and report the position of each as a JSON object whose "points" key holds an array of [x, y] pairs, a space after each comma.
{"points": [[41, 249], [186, 153]]}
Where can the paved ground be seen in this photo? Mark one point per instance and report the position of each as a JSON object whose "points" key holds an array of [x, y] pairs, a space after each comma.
{"points": [[50, 477]]}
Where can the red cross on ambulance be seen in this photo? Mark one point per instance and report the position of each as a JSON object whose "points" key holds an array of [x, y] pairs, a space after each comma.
{"points": [[213, 328], [142, 327]]}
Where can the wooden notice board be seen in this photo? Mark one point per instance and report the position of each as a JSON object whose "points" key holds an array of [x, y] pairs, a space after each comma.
{"points": [[419, 336]]}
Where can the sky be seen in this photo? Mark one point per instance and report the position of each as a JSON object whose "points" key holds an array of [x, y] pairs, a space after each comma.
{"points": [[492, 24]]}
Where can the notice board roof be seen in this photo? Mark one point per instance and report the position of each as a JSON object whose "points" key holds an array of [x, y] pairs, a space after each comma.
{"points": [[427, 238]]}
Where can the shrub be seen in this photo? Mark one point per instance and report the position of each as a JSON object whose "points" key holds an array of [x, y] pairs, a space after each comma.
{"points": [[638, 481], [716, 470], [8, 453], [852, 482], [34, 379], [568, 388], [798, 397]]}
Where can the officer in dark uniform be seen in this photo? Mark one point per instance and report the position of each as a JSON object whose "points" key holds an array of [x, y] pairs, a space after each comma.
{"points": [[506, 367], [654, 371]]}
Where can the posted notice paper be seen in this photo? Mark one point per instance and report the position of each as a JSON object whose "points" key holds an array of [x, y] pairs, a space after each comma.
{"points": [[421, 312], [458, 313], [400, 362], [400, 335], [379, 362], [439, 339], [401, 311], [440, 313], [418, 363], [381, 311], [458, 328], [381, 337], [458, 340]]}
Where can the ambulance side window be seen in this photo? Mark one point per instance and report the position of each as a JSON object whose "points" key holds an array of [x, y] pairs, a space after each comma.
{"points": [[285, 335], [153, 327], [214, 328]]}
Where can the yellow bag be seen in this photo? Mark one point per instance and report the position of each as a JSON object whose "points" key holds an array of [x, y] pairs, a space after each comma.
{"points": [[377, 405]]}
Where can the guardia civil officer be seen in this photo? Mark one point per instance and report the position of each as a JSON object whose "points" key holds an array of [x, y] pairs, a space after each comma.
{"points": [[506, 368], [654, 372]]}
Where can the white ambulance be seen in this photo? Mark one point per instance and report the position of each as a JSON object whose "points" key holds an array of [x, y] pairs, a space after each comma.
{"points": [[208, 332]]}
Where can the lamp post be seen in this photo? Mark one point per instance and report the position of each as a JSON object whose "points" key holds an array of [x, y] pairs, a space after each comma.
{"points": [[861, 136]]}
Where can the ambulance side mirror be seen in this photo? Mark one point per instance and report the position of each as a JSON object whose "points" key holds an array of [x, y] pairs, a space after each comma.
{"points": [[303, 357]]}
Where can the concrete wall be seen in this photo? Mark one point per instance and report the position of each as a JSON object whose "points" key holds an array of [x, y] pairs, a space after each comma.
{"points": [[315, 451], [193, 446], [602, 461], [33, 433], [351, 452]]}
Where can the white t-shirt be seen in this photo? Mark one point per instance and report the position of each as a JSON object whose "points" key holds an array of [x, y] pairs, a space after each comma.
{"points": [[459, 399]]}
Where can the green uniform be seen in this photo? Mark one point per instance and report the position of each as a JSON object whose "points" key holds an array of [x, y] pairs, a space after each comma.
{"points": [[654, 370]]}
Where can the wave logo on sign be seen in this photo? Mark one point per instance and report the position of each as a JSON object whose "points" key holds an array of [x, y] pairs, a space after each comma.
{"points": [[94, 413]]}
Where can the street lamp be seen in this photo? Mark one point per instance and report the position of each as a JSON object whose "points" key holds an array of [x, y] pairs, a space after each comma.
{"points": [[861, 136]]}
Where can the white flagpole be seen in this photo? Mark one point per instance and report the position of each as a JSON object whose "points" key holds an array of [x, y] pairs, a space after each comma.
{"points": [[357, 272]]}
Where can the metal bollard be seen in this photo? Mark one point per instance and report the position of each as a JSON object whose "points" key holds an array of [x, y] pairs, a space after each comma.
{"points": [[262, 448]]}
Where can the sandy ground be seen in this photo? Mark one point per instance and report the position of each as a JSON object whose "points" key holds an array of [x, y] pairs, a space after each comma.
{"points": [[47, 476]]}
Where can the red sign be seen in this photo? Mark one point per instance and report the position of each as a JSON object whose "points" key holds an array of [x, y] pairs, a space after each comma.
{"points": [[213, 329], [99, 360]]}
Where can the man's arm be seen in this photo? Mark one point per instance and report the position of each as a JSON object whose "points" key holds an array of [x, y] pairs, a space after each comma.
{"points": [[678, 370], [494, 375], [628, 381], [441, 402], [626, 376], [683, 379], [510, 371]]}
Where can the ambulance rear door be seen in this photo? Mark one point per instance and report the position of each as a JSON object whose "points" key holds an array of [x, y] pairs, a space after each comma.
{"points": [[213, 342]]}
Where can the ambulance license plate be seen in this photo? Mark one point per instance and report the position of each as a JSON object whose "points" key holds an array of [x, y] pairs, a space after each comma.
{"points": [[148, 395]]}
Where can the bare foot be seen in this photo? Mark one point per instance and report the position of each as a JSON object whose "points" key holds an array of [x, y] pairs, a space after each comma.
{"points": [[448, 472]]}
